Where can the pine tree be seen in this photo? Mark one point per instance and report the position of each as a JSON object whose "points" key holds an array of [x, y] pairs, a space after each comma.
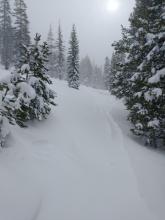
{"points": [[86, 71], [97, 77], [152, 95], [52, 55], [73, 61], [118, 77], [33, 97], [7, 101], [60, 55], [145, 55], [144, 70], [39, 80], [21, 28], [107, 68], [6, 33], [120, 74]]}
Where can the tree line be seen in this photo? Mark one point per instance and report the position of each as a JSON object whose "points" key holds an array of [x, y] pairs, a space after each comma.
{"points": [[25, 94], [14, 29], [88, 73], [136, 72]]}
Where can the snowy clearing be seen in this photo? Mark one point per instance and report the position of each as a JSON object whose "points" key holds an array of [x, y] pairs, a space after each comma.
{"points": [[80, 164]]}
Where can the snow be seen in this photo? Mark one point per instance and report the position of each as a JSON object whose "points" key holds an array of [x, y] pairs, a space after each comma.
{"points": [[80, 164], [156, 78], [154, 123], [25, 67], [28, 90]]}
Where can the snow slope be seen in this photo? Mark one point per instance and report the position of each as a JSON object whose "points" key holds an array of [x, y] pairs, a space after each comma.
{"points": [[80, 164]]}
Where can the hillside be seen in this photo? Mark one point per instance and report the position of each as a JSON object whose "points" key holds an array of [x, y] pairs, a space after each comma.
{"points": [[80, 164]]}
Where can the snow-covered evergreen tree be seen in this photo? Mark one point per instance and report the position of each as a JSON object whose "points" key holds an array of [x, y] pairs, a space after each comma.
{"points": [[120, 74], [107, 72], [52, 55], [144, 69], [73, 75], [97, 77], [6, 39], [21, 28], [155, 63], [86, 71], [60, 55], [118, 77], [7, 106], [30, 84], [147, 55]]}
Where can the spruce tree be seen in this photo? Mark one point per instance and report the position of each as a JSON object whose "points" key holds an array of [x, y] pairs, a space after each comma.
{"points": [[52, 54], [60, 55], [73, 61], [144, 58], [33, 97], [120, 74], [7, 101], [107, 68], [6, 33], [21, 28], [39, 80], [86, 71], [144, 70], [152, 91], [97, 77]]}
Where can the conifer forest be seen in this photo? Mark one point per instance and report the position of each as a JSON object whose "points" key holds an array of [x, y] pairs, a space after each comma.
{"points": [[82, 110]]}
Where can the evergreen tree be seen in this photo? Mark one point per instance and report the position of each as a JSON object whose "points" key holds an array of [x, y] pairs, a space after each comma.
{"points": [[39, 79], [118, 77], [52, 55], [6, 33], [146, 56], [120, 74], [107, 68], [86, 71], [21, 28], [97, 77], [60, 55], [29, 81], [144, 70], [73, 61], [7, 101]]}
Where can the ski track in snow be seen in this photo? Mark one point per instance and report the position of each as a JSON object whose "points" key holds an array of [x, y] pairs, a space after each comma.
{"points": [[72, 166]]}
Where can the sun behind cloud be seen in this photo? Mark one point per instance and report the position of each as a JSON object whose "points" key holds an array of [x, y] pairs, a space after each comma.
{"points": [[113, 5]]}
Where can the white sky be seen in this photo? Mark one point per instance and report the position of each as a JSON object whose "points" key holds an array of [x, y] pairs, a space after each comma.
{"points": [[97, 27]]}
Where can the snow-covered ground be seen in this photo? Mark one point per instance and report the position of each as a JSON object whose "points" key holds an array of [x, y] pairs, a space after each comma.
{"points": [[81, 164]]}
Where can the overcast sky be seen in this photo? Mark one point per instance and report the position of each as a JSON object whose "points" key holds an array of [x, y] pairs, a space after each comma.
{"points": [[97, 26]]}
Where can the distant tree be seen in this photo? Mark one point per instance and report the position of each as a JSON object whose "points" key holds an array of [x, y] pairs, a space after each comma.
{"points": [[21, 28], [60, 55], [73, 61], [52, 54], [97, 77], [6, 39], [86, 71], [107, 72]]}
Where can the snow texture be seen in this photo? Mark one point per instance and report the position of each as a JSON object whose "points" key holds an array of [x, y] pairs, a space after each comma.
{"points": [[80, 164]]}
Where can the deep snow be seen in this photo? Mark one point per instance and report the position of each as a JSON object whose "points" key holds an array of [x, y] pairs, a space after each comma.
{"points": [[80, 164]]}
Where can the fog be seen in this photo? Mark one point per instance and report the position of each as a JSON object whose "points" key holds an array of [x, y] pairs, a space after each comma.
{"points": [[97, 27]]}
